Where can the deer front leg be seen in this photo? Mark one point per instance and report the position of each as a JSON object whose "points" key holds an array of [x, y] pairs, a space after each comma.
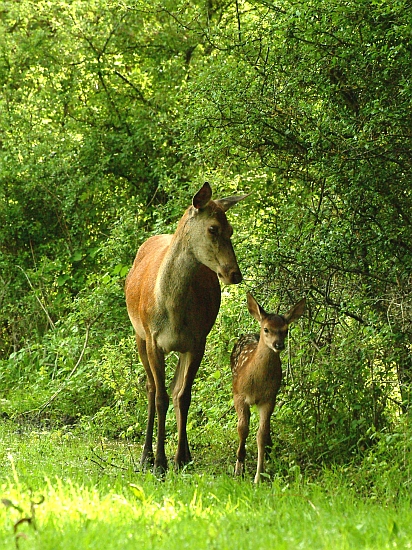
{"points": [[263, 437], [243, 415], [157, 367], [182, 395]]}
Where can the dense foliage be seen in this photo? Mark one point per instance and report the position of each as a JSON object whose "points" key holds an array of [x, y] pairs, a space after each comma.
{"points": [[111, 116]]}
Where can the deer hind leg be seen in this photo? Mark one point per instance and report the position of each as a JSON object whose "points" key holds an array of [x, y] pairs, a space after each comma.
{"points": [[147, 455], [182, 395], [243, 415], [263, 437], [159, 401]]}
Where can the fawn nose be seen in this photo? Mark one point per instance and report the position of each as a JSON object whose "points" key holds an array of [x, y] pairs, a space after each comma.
{"points": [[279, 346]]}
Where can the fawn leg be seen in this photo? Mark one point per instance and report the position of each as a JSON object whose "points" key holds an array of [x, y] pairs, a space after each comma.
{"points": [[243, 415], [263, 437]]}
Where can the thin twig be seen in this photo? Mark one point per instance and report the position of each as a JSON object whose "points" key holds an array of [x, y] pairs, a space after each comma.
{"points": [[37, 298], [153, 198], [135, 467], [104, 461], [239, 31], [86, 341]]}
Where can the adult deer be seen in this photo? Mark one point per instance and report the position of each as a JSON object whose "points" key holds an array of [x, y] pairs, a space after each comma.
{"points": [[173, 298], [257, 375]]}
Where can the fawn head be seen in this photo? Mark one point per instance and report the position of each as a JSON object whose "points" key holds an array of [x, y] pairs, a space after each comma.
{"points": [[274, 328]]}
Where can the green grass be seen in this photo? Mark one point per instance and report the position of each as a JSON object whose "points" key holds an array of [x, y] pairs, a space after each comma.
{"points": [[94, 499]]}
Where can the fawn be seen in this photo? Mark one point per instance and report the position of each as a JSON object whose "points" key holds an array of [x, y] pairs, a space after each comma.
{"points": [[257, 375]]}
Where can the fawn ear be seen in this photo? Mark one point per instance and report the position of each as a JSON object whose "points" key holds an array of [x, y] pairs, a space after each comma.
{"points": [[255, 309], [296, 312], [203, 196]]}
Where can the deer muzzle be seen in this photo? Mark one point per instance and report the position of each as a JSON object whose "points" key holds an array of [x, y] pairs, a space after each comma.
{"points": [[278, 346], [230, 276]]}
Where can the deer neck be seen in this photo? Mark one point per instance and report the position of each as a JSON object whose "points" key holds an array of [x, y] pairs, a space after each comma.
{"points": [[265, 357], [172, 290]]}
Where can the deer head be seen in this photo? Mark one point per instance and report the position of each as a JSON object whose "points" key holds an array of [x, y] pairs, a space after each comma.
{"points": [[210, 233]]}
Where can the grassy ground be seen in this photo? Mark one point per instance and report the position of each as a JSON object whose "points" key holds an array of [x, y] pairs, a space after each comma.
{"points": [[73, 493]]}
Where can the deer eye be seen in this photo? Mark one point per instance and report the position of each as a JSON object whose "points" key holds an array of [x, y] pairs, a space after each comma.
{"points": [[266, 330], [213, 230]]}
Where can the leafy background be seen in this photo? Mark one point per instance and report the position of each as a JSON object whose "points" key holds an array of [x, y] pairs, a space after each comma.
{"points": [[113, 113]]}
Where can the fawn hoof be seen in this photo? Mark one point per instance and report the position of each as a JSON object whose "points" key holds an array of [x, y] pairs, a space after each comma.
{"points": [[239, 468], [261, 477]]}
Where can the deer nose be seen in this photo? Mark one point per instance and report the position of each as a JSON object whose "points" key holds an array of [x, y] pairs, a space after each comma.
{"points": [[279, 346], [236, 277], [230, 276]]}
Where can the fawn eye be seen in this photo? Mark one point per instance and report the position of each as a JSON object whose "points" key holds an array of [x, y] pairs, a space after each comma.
{"points": [[266, 330]]}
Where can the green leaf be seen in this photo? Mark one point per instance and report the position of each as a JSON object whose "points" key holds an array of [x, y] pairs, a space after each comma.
{"points": [[77, 256], [61, 279]]}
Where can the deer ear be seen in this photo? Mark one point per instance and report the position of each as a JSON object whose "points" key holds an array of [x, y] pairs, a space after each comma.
{"points": [[255, 309], [296, 312], [228, 202], [203, 196]]}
